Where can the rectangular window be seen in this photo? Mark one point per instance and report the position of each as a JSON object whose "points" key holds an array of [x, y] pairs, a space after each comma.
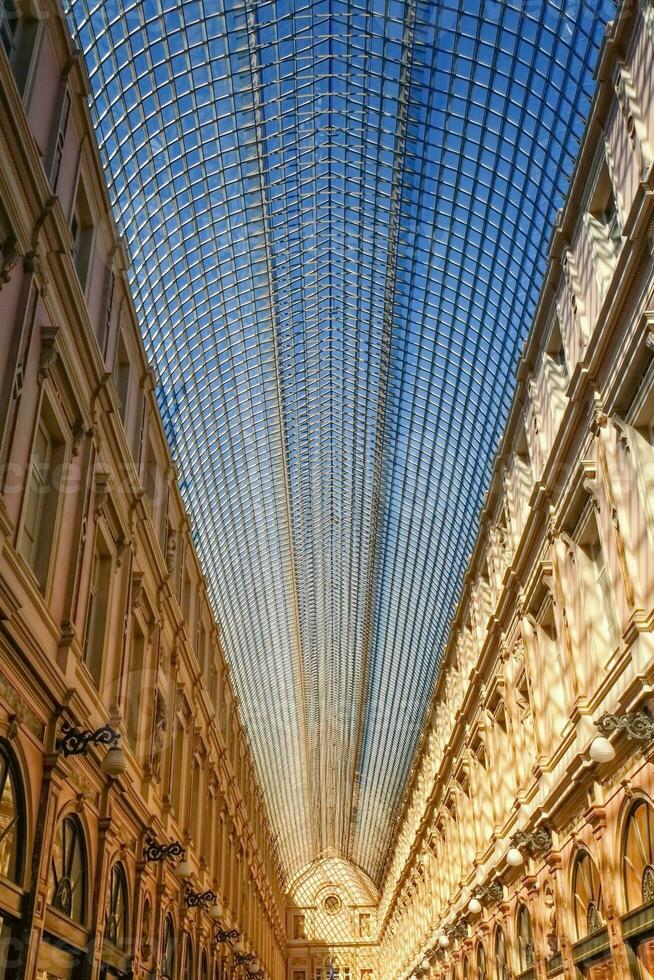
{"points": [[8, 27], [108, 299], [18, 34], [600, 599], [81, 228], [151, 477], [41, 504], [605, 226], [96, 611], [135, 685], [122, 377], [187, 593], [60, 140], [178, 767]]}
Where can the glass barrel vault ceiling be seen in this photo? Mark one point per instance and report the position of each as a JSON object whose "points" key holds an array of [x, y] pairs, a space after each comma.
{"points": [[338, 213]]}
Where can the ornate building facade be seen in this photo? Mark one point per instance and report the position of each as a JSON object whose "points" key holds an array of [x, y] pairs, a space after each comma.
{"points": [[134, 838], [526, 847], [105, 626]]}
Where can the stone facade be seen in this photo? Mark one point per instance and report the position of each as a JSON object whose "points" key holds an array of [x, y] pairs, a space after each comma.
{"points": [[104, 613], [554, 627], [514, 805]]}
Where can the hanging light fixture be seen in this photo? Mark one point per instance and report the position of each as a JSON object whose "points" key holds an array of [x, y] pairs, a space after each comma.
{"points": [[601, 750], [474, 906], [425, 966], [216, 910], [114, 763], [443, 941], [514, 857], [183, 869]]}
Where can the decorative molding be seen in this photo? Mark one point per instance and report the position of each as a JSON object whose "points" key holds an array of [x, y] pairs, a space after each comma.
{"points": [[22, 712], [49, 352]]}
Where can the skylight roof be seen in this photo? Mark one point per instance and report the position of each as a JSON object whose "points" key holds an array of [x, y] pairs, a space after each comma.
{"points": [[338, 213]]}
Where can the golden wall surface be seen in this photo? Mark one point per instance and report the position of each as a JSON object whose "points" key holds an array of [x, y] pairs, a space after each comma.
{"points": [[526, 844], [514, 804], [104, 616]]}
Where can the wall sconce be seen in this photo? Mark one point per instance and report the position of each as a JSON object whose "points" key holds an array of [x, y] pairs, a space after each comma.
{"points": [[474, 906], [76, 741], [443, 941], [425, 966], [637, 725], [154, 851], [193, 899]]}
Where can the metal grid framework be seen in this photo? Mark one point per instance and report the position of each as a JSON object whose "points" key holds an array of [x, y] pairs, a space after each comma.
{"points": [[338, 213]]}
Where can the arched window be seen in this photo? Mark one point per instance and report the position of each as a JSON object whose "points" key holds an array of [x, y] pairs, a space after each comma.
{"points": [[525, 938], [501, 966], [204, 967], [168, 950], [12, 817], [115, 923], [68, 871], [188, 957], [638, 856], [481, 963], [587, 895]]}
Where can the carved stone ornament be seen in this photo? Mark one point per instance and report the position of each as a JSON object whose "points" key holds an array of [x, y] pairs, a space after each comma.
{"points": [[158, 733], [23, 714], [101, 495], [49, 352], [9, 256], [171, 551]]}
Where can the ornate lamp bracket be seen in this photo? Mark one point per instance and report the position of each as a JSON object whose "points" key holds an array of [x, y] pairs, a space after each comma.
{"points": [[75, 741], [533, 842], [227, 935], [244, 959], [489, 894], [637, 725], [457, 931], [194, 899], [153, 851]]}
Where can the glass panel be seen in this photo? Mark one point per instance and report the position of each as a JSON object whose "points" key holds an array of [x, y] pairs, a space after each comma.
{"points": [[588, 901], [638, 857], [67, 885], [11, 837], [338, 215]]}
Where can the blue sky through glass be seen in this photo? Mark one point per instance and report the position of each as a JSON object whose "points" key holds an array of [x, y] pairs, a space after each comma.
{"points": [[338, 213]]}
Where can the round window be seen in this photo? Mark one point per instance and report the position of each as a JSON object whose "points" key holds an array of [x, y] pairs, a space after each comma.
{"points": [[332, 904]]}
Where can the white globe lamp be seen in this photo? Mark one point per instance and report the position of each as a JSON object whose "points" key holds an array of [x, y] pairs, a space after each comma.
{"points": [[601, 750]]}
